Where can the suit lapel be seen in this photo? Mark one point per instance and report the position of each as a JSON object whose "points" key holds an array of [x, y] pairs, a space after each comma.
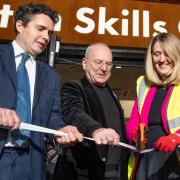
{"points": [[39, 83], [9, 61]]}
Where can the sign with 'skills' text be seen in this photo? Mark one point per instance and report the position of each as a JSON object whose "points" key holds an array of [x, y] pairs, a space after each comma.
{"points": [[119, 23]]}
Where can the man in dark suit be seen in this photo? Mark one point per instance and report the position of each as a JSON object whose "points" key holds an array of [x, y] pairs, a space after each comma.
{"points": [[33, 24], [90, 104]]}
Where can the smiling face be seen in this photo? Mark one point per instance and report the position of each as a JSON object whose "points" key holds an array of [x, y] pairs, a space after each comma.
{"points": [[35, 36], [162, 62], [97, 64]]}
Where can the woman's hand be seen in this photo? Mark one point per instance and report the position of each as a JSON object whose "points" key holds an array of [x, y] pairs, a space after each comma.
{"points": [[167, 143]]}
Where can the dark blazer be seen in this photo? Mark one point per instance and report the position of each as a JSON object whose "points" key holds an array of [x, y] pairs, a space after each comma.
{"points": [[46, 104], [82, 107]]}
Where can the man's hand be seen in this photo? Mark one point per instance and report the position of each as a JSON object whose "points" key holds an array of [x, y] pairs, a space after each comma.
{"points": [[9, 118], [105, 136], [73, 136]]}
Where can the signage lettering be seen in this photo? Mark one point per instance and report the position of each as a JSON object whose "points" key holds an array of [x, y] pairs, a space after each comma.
{"points": [[107, 24], [5, 12], [126, 24]]}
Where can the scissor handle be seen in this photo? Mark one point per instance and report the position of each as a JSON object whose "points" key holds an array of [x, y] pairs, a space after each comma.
{"points": [[141, 128]]}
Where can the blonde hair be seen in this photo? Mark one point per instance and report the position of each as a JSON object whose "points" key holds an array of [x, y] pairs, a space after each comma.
{"points": [[171, 45]]}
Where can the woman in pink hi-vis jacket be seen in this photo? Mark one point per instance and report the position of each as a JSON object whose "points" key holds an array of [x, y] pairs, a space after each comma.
{"points": [[158, 106]]}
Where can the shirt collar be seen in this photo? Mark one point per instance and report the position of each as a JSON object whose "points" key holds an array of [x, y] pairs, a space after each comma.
{"points": [[18, 50]]}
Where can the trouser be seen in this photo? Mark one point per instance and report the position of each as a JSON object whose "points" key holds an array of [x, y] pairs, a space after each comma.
{"points": [[14, 164], [67, 171]]}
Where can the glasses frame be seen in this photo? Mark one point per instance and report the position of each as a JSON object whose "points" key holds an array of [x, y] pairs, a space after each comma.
{"points": [[99, 63]]}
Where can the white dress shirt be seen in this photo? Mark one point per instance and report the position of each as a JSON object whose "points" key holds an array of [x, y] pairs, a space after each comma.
{"points": [[30, 66], [31, 70]]}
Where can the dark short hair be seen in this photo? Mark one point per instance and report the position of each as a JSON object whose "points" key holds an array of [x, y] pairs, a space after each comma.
{"points": [[26, 12]]}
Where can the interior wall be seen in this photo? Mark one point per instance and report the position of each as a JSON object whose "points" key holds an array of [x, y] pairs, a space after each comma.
{"points": [[122, 81]]}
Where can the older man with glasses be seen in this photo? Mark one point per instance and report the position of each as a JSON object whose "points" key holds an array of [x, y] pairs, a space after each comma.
{"points": [[92, 107]]}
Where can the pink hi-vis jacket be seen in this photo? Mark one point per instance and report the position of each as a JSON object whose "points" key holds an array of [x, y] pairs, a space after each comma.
{"points": [[170, 112]]}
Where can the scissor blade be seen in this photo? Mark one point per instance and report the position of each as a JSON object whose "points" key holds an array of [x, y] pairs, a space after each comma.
{"points": [[146, 151], [119, 144], [152, 149], [128, 146]]}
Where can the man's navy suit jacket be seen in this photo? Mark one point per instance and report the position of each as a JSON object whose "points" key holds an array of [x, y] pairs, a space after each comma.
{"points": [[46, 109]]}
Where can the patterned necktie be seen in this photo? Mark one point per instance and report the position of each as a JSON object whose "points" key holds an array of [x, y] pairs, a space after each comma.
{"points": [[23, 106]]}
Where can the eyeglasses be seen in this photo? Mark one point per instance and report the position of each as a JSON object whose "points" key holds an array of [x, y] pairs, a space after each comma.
{"points": [[99, 63]]}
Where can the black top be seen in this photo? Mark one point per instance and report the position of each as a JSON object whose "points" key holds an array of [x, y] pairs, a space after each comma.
{"points": [[155, 121], [82, 108], [112, 118]]}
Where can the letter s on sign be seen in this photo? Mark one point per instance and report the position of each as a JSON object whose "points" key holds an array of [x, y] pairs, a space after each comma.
{"points": [[81, 17]]}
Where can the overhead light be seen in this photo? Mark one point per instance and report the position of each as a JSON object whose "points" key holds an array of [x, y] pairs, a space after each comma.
{"points": [[118, 66]]}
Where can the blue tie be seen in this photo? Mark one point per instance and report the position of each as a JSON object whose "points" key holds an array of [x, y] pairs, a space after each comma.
{"points": [[23, 106]]}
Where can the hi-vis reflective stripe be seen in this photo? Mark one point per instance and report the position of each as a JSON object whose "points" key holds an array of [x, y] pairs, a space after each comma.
{"points": [[142, 90], [172, 107], [173, 111], [174, 124]]}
